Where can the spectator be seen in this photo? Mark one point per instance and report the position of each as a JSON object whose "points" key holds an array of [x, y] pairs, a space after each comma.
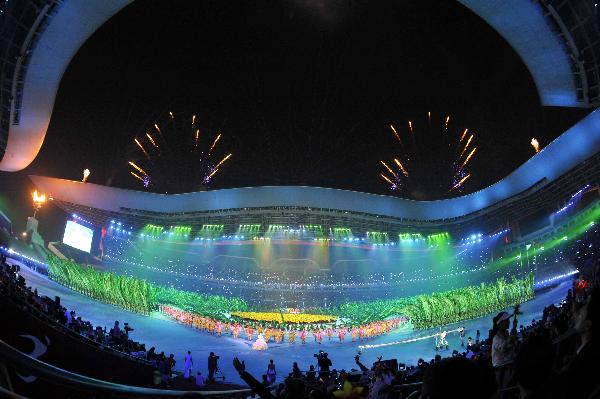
{"points": [[271, 373], [324, 365], [68, 317], [212, 366], [311, 374], [151, 355], [446, 379], [296, 373], [171, 361], [115, 332], [503, 347], [581, 374], [187, 365], [533, 369], [163, 368], [199, 380]]}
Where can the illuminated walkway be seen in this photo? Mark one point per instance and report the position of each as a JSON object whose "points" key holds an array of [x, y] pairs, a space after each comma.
{"points": [[170, 337]]}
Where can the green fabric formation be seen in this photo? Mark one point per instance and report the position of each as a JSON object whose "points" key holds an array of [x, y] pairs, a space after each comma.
{"points": [[135, 294], [441, 308], [424, 311]]}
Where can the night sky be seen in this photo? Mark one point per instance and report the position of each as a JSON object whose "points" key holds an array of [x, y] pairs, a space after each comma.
{"points": [[303, 91]]}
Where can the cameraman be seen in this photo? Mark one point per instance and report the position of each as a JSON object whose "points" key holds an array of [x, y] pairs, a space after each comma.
{"points": [[212, 366], [324, 364], [127, 329]]}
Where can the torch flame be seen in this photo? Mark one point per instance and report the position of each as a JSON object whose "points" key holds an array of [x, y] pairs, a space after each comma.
{"points": [[535, 144]]}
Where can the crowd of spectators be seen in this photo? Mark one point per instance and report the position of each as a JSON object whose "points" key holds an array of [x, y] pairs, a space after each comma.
{"points": [[555, 357], [13, 287]]}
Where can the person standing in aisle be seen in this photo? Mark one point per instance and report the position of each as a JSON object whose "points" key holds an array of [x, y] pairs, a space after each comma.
{"points": [[187, 365]]}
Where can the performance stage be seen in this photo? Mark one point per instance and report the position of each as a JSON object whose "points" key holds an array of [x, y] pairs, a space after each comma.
{"points": [[167, 335]]}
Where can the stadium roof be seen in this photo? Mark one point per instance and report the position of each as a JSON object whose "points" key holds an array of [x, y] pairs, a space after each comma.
{"points": [[50, 32], [566, 153]]}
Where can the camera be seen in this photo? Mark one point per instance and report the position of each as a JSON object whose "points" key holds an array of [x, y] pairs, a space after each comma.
{"points": [[319, 355], [127, 328]]}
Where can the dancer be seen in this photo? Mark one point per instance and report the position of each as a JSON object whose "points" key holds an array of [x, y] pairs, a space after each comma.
{"points": [[292, 336], [461, 333], [329, 333], [260, 344], [443, 341], [303, 336], [341, 334], [319, 336], [249, 333], [187, 365]]}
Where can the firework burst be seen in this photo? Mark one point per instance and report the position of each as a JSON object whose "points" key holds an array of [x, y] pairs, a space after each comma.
{"points": [[442, 167], [175, 154]]}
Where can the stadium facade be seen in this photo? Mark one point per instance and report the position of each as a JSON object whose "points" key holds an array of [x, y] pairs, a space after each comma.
{"points": [[309, 246]]}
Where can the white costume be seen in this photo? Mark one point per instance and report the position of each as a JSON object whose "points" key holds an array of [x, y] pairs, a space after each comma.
{"points": [[260, 344]]}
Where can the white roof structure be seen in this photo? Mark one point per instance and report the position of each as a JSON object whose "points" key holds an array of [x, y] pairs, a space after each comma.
{"points": [[521, 22], [572, 148]]}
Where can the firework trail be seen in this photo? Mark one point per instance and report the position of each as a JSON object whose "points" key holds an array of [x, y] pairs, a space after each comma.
{"points": [[152, 141], [141, 147], [466, 146], [138, 168], [170, 148], [396, 134], [410, 167], [214, 143]]}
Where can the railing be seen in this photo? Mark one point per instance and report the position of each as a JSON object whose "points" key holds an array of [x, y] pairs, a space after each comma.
{"points": [[11, 358]]}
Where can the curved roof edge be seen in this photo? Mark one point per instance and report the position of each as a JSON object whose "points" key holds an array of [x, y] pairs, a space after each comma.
{"points": [[75, 21], [520, 22], [523, 25], [577, 144]]}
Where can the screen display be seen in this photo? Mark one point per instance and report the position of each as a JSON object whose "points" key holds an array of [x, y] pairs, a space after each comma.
{"points": [[78, 236]]}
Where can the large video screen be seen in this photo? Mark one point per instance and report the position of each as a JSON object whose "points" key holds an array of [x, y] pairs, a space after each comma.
{"points": [[78, 236]]}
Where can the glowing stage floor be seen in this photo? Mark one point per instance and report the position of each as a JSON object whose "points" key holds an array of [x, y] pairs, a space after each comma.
{"points": [[168, 336]]}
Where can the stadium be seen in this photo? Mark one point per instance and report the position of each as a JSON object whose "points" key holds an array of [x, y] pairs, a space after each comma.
{"points": [[306, 247], [297, 272]]}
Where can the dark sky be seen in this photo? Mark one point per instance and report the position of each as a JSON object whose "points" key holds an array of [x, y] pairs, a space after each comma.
{"points": [[303, 91]]}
